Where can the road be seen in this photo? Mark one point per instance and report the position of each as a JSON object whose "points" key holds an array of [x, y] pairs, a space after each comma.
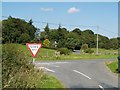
{"points": [[81, 73]]}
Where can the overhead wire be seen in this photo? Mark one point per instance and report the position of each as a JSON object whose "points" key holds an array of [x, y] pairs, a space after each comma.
{"points": [[80, 26]]}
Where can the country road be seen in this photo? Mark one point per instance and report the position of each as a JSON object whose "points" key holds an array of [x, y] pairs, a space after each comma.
{"points": [[81, 73]]}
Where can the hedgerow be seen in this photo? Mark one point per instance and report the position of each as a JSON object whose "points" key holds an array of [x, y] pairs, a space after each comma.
{"points": [[17, 72]]}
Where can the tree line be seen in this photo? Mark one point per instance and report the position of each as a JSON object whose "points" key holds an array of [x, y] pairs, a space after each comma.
{"points": [[15, 30]]}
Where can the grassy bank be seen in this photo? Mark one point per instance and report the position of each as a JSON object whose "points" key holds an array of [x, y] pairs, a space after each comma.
{"points": [[49, 54], [113, 66]]}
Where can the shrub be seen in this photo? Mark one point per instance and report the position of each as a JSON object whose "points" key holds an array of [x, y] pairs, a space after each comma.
{"points": [[64, 51], [84, 47], [90, 51], [17, 72]]}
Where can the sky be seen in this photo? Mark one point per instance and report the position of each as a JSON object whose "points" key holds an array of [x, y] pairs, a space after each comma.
{"points": [[83, 15]]}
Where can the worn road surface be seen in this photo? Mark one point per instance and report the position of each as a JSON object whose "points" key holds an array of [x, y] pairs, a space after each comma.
{"points": [[81, 73]]}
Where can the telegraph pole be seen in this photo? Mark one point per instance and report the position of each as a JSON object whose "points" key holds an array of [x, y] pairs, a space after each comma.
{"points": [[97, 40]]}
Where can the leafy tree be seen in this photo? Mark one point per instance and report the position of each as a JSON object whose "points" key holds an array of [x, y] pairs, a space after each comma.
{"points": [[77, 31], [113, 43], [104, 42], [61, 43], [47, 29], [53, 35], [46, 43], [24, 38], [12, 28], [71, 43], [118, 38], [37, 34], [61, 33], [30, 22]]}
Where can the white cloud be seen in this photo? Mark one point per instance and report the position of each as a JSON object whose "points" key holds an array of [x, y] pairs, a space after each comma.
{"points": [[46, 9], [73, 10]]}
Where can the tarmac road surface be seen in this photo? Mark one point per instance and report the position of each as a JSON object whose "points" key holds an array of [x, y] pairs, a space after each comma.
{"points": [[81, 73]]}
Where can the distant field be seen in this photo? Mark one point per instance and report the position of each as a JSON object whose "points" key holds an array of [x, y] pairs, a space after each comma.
{"points": [[48, 54]]}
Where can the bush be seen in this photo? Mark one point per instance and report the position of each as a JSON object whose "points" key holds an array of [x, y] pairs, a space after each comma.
{"points": [[90, 51], [84, 47], [17, 72], [64, 51]]}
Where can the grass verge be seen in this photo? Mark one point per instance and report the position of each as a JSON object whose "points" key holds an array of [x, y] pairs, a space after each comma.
{"points": [[49, 81], [113, 66]]}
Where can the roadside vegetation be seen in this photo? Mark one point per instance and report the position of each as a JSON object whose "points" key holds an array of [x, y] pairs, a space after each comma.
{"points": [[50, 54], [57, 44], [113, 66], [18, 72]]}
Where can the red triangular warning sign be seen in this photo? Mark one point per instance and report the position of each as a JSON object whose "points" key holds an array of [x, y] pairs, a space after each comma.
{"points": [[34, 48]]}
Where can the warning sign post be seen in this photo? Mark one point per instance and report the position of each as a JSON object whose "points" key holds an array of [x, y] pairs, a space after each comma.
{"points": [[34, 49]]}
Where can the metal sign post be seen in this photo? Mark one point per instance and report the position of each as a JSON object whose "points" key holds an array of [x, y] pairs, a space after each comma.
{"points": [[33, 60]]}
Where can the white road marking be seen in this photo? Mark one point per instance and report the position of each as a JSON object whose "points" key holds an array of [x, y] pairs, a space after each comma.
{"points": [[44, 63], [61, 62], [49, 70], [53, 65], [82, 74], [48, 63], [46, 69], [41, 67], [101, 87]]}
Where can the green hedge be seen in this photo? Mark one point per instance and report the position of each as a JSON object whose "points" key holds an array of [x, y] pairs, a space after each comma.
{"points": [[89, 50], [17, 72], [64, 51]]}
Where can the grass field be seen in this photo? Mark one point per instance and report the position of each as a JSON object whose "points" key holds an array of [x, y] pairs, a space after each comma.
{"points": [[113, 66], [48, 54]]}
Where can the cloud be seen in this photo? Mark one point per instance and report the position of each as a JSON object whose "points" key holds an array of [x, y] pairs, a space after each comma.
{"points": [[46, 9], [73, 10]]}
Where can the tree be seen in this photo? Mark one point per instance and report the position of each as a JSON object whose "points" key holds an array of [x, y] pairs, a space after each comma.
{"points": [[30, 21], [13, 28], [113, 43], [47, 29], [71, 43], [53, 35], [61, 33], [46, 43], [77, 31], [37, 34], [24, 38], [104, 42]]}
